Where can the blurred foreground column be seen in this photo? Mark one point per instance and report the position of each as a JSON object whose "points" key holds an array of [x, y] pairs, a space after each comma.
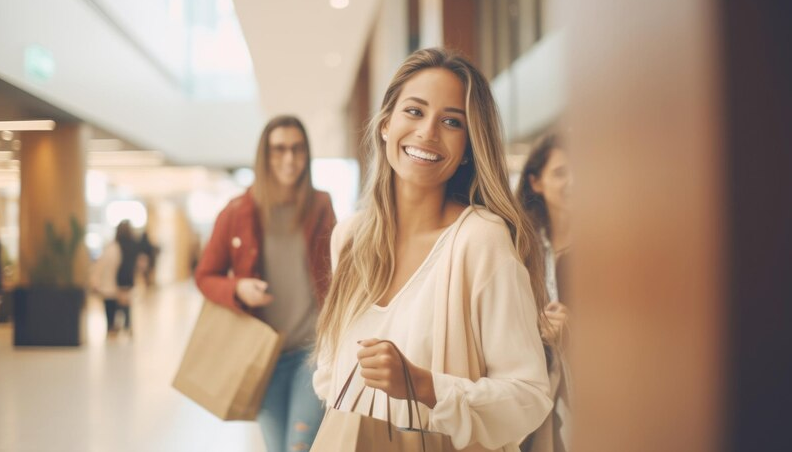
{"points": [[649, 197], [679, 114]]}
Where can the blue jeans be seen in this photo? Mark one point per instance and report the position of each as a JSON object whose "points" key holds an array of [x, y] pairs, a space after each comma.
{"points": [[291, 412]]}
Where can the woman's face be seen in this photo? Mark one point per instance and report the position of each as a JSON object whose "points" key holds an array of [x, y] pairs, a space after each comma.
{"points": [[427, 131], [554, 181], [288, 155]]}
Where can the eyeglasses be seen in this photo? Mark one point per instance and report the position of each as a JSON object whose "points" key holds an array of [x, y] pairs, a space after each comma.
{"points": [[282, 149]]}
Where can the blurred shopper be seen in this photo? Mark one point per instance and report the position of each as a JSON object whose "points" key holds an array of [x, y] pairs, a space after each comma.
{"points": [[543, 192], [147, 258], [434, 263], [269, 255], [114, 276]]}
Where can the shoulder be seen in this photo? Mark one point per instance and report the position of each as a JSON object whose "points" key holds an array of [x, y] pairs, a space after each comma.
{"points": [[483, 235], [321, 198], [240, 204], [482, 225], [243, 201], [322, 201]]}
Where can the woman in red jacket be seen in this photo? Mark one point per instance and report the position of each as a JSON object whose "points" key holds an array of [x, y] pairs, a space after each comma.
{"points": [[269, 255]]}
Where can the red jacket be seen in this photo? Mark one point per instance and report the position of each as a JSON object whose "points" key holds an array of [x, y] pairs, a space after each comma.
{"points": [[234, 250]]}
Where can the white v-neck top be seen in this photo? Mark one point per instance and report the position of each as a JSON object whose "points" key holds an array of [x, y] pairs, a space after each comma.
{"points": [[406, 321]]}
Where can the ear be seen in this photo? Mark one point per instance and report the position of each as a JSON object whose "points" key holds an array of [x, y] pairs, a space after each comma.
{"points": [[536, 184]]}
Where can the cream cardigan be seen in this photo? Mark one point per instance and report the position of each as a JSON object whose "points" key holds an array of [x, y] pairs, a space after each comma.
{"points": [[488, 363]]}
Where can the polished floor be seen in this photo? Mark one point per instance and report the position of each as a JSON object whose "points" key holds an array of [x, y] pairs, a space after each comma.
{"points": [[113, 394]]}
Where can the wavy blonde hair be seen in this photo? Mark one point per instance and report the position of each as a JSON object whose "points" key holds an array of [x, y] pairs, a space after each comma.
{"points": [[366, 262]]}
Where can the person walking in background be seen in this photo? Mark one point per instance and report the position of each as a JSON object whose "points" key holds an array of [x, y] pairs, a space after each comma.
{"points": [[434, 264], [543, 192], [269, 255], [147, 258], [114, 276]]}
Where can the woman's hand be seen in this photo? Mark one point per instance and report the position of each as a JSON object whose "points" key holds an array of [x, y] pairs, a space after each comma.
{"points": [[252, 292], [381, 368], [558, 315]]}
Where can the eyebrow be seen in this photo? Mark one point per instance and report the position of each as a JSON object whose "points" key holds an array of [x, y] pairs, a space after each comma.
{"points": [[423, 102]]}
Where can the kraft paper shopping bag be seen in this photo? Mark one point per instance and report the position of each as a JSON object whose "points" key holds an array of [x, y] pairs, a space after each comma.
{"points": [[228, 362]]}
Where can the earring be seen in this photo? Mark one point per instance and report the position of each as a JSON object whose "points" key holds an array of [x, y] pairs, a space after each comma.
{"points": [[384, 137], [465, 160]]}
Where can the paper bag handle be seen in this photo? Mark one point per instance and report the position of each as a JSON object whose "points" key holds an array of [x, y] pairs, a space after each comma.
{"points": [[345, 388], [411, 396]]}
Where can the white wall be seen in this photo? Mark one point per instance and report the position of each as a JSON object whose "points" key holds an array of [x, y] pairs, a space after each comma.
{"points": [[532, 92], [104, 80]]}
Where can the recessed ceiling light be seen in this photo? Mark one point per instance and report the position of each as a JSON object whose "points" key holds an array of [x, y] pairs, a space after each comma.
{"points": [[105, 144], [339, 4], [44, 124]]}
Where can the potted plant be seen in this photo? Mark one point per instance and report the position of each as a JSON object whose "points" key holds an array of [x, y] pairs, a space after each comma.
{"points": [[49, 312]]}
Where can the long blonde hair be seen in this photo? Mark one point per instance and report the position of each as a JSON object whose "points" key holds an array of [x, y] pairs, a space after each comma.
{"points": [[366, 262], [264, 183]]}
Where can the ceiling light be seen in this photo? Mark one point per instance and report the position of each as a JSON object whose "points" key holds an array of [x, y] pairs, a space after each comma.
{"points": [[125, 158], [105, 144], [44, 124], [339, 4]]}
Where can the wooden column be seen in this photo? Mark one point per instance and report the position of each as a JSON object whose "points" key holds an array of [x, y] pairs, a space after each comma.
{"points": [[53, 166], [460, 28]]}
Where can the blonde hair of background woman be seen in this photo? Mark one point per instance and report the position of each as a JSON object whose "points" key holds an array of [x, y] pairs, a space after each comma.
{"points": [[366, 263]]}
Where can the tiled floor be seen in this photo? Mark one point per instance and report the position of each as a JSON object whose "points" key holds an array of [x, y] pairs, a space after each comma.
{"points": [[113, 395]]}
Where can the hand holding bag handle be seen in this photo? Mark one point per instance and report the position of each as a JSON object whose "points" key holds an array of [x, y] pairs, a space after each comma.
{"points": [[345, 388], [411, 394], [411, 397]]}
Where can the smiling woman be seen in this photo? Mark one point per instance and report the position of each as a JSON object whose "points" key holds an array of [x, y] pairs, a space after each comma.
{"points": [[438, 194]]}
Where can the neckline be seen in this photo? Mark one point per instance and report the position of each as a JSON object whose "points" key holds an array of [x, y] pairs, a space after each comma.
{"points": [[420, 268]]}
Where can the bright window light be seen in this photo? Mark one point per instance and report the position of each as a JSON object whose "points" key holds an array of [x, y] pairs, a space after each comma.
{"points": [[203, 207], [244, 177], [96, 188], [341, 178], [134, 211]]}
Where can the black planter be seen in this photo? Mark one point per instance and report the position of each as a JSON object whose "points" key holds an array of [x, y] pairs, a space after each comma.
{"points": [[48, 316]]}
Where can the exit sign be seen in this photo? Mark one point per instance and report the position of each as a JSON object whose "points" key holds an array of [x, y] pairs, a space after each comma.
{"points": [[39, 63]]}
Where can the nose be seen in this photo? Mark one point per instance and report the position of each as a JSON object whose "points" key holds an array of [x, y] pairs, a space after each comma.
{"points": [[428, 129]]}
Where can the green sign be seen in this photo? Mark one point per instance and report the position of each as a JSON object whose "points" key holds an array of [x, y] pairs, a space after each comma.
{"points": [[39, 63]]}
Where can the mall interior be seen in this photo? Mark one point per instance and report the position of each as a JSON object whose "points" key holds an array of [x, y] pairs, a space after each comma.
{"points": [[676, 113]]}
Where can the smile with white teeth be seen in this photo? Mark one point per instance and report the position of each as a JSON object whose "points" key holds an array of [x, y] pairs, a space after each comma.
{"points": [[421, 154]]}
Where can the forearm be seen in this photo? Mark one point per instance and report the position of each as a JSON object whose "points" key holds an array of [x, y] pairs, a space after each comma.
{"points": [[424, 386]]}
